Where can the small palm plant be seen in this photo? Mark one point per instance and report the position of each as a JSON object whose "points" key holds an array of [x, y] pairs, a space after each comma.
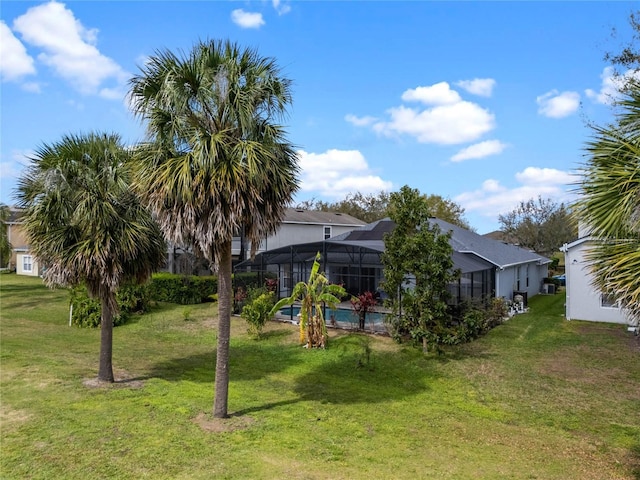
{"points": [[313, 294]]}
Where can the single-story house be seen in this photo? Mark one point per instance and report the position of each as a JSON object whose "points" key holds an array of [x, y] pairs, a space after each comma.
{"points": [[488, 268], [584, 300]]}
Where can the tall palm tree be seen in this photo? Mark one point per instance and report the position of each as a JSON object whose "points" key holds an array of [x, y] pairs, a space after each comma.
{"points": [[5, 244], [84, 222], [216, 160], [609, 202]]}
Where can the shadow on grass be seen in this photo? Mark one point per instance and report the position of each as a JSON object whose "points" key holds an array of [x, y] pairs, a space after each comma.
{"points": [[246, 362], [359, 375], [348, 372]]}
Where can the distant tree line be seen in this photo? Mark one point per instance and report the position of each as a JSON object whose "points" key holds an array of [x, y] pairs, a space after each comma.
{"points": [[370, 207]]}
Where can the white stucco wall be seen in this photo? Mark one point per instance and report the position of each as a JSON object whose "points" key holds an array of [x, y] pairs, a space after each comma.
{"points": [[507, 279], [583, 300]]}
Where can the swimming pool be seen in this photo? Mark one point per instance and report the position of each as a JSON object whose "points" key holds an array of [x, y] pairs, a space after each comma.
{"points": [[341, 316]]}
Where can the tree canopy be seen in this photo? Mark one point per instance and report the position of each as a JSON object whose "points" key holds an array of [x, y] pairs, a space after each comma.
{"points": [[418, 267], [371, 207], [5, 244], [540, 225]]}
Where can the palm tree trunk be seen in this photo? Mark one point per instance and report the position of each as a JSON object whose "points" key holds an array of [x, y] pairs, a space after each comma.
{"points": [[224, 332], [105, 370]]}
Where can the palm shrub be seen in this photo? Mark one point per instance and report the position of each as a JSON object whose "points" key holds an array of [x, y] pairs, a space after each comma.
{"points": [[313, 294], [609, 202]]}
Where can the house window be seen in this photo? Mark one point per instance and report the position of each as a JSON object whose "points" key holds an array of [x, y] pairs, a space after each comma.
{"points": [[27, 263], [327, 232], [527, 271], [518, 278], [607, 300]]}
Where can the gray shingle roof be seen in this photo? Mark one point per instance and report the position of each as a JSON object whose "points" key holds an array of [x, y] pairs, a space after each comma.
{"points": [[296, 215], [472, 252], [498, 253]]}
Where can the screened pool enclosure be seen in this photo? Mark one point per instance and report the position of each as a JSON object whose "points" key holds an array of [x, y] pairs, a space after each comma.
{"points": [[354, 260]]}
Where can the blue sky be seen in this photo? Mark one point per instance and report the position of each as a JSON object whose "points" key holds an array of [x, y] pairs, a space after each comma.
{"points": [[483, 103]]}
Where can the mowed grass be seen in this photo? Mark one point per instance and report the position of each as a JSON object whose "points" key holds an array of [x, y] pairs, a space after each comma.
{"points": [[537, 398]]}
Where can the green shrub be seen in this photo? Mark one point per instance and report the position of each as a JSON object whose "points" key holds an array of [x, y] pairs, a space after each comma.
{"points": [[87, 311], [182, 289], [256, 312]]}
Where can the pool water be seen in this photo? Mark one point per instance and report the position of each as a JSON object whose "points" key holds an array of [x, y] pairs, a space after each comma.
{"points": [[341, 315]]}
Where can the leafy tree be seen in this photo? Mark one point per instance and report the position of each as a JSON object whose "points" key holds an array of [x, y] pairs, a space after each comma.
{"points": [[371, 207], [542, 226], [313, 294], [418, 267], [85, 223], [216, 159], [447, 210], [5, 244], [629, 58], [366, 207], [609, 202]]}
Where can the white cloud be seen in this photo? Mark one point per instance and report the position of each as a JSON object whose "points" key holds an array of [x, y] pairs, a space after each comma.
{"points": [[446, 118], [479, 150], [437, 94], [69, 49], [12, 169], [247, 19], [444, 124], [32, 87], [554, 104], [9, 170], [544, 176], [482, 87], [15, 62], [335, 173], [493, 199], [360, 121], [281, 8], [610, 86]]}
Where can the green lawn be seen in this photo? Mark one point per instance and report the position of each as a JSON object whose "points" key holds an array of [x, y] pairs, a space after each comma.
{"points": [[538, 398]]}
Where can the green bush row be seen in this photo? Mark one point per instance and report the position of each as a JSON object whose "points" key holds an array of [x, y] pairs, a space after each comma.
{"points": [[183, 289], [86, 311], [164, 287]]}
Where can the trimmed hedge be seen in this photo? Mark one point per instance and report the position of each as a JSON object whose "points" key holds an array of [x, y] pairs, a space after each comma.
{"points": [[182, 289]]}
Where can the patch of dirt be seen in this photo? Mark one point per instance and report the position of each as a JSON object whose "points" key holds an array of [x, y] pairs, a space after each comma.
{"points": [[122, 379], [10, 417], [223, 425]]}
